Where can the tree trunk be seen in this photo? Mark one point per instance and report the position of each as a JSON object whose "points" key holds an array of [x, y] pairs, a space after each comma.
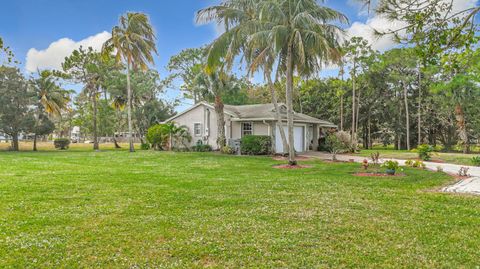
{"points": [[221, 139], [277, 114], [462, 129], [407, 117], [15, 142], [35, 142], [289, 97], [369, 138], [129, 109], [357, 116], [95, 128], [341, 112], [117, 146]]}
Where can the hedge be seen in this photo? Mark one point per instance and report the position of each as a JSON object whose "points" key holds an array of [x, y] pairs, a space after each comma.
{"points": [[256, 145]]}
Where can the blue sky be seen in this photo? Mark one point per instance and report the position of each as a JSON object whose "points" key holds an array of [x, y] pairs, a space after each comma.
{"points": [[51, 28]]}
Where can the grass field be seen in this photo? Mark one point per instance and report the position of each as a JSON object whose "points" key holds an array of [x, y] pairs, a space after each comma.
{"points": [[48, 146], [151, 209], [455, 158]]}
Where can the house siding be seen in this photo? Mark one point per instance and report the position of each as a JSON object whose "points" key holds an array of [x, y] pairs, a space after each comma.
{"points": [[259, 128]]}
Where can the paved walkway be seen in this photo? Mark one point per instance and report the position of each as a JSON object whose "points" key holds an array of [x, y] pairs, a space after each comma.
{"points": [[470, 185]]}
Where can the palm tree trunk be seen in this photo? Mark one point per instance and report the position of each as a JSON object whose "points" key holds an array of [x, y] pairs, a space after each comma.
{"points": [[419, 116], [407, 116], [37, 119], [277, 114], [129, 109], [95, 128], [289, 97], [354, 136], [461, 126], [221, 140]]}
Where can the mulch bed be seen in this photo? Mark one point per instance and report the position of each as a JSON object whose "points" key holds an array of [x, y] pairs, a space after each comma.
{"points": [[367, 174], [287, 166]]}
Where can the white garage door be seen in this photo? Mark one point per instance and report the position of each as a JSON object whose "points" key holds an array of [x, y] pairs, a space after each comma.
{"points": [[298, 136]]}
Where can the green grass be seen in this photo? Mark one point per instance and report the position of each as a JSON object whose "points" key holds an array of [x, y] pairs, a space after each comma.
{"points": [[455, 158], [151, 209]]}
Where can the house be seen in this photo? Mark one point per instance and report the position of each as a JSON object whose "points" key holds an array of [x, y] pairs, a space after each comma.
{"points": [[243, 120]]}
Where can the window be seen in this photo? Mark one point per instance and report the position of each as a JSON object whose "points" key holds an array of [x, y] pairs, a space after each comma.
{"points": [[247, 128], [197, 129]]}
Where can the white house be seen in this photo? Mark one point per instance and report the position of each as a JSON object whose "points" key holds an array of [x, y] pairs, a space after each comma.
{"points": [[201, 120]]}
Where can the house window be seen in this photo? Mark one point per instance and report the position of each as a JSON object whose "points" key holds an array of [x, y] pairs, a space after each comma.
{"points": [[197, 129], [247, 128]]}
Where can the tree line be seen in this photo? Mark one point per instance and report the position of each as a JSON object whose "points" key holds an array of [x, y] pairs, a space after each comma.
{"points": [[424, 91]]}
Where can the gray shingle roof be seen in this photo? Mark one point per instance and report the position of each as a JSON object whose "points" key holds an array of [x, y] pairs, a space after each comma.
{"points": [[267, 112]]}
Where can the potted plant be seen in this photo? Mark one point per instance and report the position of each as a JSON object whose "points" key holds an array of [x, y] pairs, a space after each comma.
{"points": [[391, 167]]}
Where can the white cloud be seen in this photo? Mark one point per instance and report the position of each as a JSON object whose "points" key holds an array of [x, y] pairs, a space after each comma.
{"points": [[367, 31], [53, 56], [381, 24]]}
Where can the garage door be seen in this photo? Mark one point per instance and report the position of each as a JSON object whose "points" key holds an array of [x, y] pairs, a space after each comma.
{"points": [[298, 136]]}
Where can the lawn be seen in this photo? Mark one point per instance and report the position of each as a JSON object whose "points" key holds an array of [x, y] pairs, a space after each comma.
{"points": [[442, 157], [152, 209]]}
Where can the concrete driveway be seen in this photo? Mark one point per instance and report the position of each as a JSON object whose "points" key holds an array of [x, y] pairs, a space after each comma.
{"points": [[470, 185]]}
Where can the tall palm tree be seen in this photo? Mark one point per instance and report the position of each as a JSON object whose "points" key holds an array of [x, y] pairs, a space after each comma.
{"points": [[50, 97], [300, 35], [134, 42]]}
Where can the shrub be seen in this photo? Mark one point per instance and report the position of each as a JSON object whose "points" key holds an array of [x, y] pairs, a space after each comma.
{"points": [[415, 164], [181, 149], [390, 165], [439, 169], [227, 150], [463, 172], [157, 136], [476, 160], [202, 148], [256, 145], [61, 143], [346, 139], [145, 146], [338, 142], [425, 152]]}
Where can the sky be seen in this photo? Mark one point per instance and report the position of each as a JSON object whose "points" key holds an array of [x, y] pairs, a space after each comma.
{"points": [[42, 33]]}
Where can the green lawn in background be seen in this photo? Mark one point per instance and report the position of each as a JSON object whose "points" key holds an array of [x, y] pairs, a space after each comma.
{"points": [[155, 209], [441, 157]]}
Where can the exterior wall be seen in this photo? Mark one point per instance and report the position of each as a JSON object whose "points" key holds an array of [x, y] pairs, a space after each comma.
{"points": [[196, 115], [207, 117], [259, 128]]}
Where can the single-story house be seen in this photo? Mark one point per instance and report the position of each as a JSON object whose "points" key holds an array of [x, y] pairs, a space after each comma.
{"points": [[243, 120]]}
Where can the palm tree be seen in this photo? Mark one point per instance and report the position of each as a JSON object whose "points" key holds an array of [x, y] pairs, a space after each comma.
{"points": [[134, 41], [177, 134], [300, 35], [214, 85], [51, 99]]}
